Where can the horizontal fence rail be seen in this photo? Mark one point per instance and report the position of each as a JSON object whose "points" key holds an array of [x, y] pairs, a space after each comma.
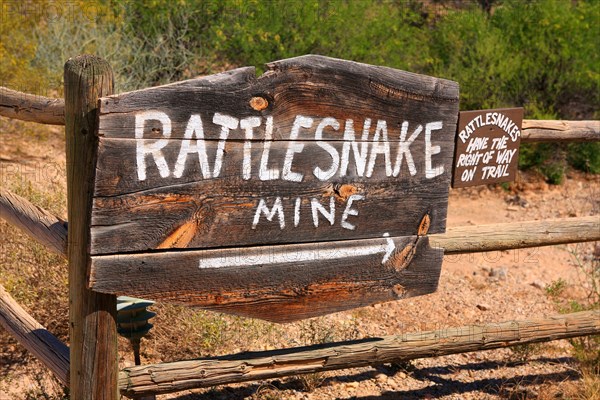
{"points": [[517, 235], [51, 231], [182, 375], [38, 223], [34, 337], [560, 131], [46, 110], [29, 107]]}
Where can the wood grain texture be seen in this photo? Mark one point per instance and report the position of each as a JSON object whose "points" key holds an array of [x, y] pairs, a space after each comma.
{"points": [[36, 222], [277, 283], [29, 107], [207, 164], [191, 209], [141, 275], [183, 375], [116, 173], [560, 131], [314, 85], [92, 316], [221, 213], [51, 231], [34, 337], [515, 235]]}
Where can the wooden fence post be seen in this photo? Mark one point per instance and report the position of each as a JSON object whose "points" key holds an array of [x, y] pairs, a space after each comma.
{"points": [[92, 316]]}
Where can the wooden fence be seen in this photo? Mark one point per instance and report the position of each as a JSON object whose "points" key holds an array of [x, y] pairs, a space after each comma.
{"points": [[91, 361]]}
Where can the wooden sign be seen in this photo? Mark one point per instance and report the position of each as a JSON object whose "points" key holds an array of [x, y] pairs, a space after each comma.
{"points": [[307, 190], [487, 147]]}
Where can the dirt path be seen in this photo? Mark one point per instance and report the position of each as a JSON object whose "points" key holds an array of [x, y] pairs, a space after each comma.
{"points": [[476, 288]]}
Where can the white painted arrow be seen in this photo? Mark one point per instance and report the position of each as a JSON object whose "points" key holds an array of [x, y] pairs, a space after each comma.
{"points": [[269, 255]]}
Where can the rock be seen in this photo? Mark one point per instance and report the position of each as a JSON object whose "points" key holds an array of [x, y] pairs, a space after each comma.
{"points": [[538, 284], [352, 385], [483, 306], [517, 200], [401, 375], [500, 273], [381, 378]]}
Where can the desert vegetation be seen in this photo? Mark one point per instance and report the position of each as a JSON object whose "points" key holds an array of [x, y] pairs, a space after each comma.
{"points": [[542, 55]]}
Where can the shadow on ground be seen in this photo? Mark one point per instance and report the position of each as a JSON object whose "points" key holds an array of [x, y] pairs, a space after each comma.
{"points": [[439, 384]]}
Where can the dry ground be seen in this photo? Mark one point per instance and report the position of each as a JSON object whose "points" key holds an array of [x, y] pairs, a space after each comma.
{"points": [[477, 288]]}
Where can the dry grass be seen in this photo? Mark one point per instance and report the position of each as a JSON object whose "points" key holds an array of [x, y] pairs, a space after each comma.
{"points": [[582, 295], [38, 280], [183, 333], [587, 388]]}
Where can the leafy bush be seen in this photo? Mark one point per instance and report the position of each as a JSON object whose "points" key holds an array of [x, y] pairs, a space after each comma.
{"points": [[541, 55], [585, 156], [255, 32], [17, 50], [536, 54], [546, 158]]}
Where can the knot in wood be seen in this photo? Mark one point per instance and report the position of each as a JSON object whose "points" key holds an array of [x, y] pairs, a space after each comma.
{"points": [[424, 225], [399, 291], [259, 103], [343, 191]]}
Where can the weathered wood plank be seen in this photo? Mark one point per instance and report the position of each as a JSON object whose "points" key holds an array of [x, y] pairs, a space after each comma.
{"points": [[182, 375], [38, 223], [34, 337], [30, 107], [516, 235], [92, 316], [147, 274], [456, 240], [343, 88], [277, 283], [316, 150], [261, 163], [560, 131], [351, 129], [222, 213]]}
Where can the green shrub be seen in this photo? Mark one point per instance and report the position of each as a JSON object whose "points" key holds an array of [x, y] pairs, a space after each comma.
{"points": [[546, 158], [255, 32], [585, 156], [541, 55], [551, 159], [536, 54], [468, 48]]}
